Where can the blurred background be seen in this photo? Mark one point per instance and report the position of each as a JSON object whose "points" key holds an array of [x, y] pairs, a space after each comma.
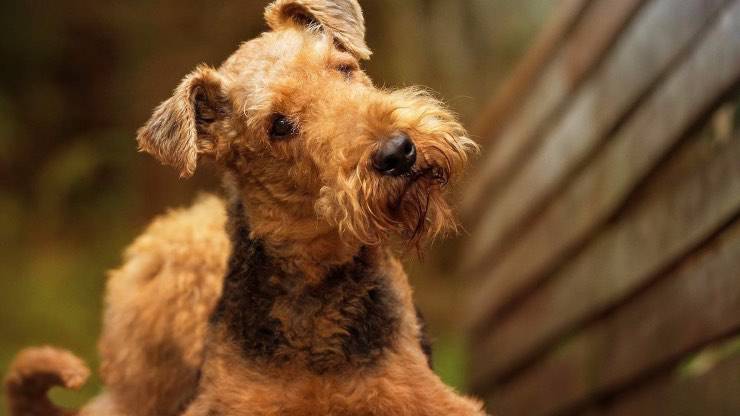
{"points": [[80, 76]]}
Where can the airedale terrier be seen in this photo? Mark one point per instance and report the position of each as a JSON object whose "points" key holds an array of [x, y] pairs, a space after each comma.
{"points": [[285, 298]]}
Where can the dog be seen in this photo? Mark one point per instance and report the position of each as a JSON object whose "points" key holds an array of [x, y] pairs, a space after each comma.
{"points": [[285, 297]]}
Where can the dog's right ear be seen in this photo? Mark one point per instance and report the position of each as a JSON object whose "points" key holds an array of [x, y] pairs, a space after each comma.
{"points": [[181, 128], [343, 18]]}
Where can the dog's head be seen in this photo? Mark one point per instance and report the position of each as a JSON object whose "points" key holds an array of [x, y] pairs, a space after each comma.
{"points": [[305, 133]]}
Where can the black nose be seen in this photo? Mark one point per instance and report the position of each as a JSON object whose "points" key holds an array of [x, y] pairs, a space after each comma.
{"points": [[396, 156]]}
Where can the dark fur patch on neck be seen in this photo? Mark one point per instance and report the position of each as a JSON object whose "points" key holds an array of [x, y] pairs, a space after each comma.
{"points": [[346, 321], [425, 341]]}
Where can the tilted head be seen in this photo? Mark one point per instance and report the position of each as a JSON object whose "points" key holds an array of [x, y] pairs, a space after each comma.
{"points": [[309, 141]]}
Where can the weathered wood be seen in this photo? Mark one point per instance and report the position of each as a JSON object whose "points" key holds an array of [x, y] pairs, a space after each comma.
{"points": [[509, 96], [695, 304], [583, 49], [600, 188], [659, 34], [662, 227], [714, 392]]}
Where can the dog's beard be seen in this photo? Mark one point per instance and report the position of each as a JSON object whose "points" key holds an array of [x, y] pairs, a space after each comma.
{"points": [[421, 208], [370, 207]]}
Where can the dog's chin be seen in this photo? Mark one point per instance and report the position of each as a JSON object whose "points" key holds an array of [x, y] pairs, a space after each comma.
{"points": [[373, 209]]}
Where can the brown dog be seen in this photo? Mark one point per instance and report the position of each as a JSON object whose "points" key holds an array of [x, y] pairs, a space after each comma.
{"points": [[310, 314]]}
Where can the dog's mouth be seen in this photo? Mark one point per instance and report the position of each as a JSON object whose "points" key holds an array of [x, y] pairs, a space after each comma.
{"points": [[414, 201], [434, 173], [430, 176]]}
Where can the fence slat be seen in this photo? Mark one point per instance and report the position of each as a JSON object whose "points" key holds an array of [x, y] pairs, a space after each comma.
{"points": [[656, 37], [583, 50], [706, 74], [713, 392], [695, 304], [508, 98], [630, 251], [627, 254]]}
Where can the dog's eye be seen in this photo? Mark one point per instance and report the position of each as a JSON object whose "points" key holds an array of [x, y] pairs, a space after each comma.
{"points": [[346, 70], [281, 127]]}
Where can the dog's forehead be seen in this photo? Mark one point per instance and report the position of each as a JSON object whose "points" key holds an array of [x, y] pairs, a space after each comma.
{"points": [[288, 66], [277, 53]]}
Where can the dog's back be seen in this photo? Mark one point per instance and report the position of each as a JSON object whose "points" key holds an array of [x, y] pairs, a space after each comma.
{"points": [[157, 307]]}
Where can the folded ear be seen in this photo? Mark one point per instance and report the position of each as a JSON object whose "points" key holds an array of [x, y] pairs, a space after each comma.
{"points": [[343, 18], [181, 128]]}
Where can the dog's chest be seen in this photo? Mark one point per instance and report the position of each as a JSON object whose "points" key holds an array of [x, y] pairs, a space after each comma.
{"points": [[348, 320]]}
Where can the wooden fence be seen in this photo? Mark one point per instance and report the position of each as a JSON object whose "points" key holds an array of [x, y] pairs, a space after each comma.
{"points": [[604, 254]]}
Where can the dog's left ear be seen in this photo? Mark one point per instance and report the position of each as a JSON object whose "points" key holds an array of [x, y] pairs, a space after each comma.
{"points": [[343, 18], [182, 128]]}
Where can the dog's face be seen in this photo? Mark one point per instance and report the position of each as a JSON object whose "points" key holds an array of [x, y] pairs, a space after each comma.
{"points": [[302, 129]]}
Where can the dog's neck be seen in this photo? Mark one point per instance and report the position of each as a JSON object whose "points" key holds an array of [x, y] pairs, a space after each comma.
{"points": [[345, 319], [291, 231]]}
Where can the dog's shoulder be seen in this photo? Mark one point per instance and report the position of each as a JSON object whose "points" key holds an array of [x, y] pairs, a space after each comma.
{"points": [[196, 233], [183, 243], [204, 220]]}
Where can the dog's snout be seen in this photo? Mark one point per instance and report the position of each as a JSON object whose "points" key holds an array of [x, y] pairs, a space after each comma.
{"points": [[395, 156]]}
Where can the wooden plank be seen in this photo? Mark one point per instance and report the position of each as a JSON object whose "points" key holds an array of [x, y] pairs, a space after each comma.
{"points": [[632, 250], [582, 50], [600, 188], [658, 35], [508, 98], [695, 304], [625, 256], [558, 306], [714, 391]]}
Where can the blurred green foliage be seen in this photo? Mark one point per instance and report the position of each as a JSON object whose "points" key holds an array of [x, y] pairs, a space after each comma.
{"points": [[79, 76]]}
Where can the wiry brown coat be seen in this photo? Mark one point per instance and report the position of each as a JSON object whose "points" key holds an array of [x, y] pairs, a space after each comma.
{"points": [[305, 311]]}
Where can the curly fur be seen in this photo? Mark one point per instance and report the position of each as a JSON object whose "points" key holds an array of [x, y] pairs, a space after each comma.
{"points": [[369, 206], [303, 309], [36, 370]]}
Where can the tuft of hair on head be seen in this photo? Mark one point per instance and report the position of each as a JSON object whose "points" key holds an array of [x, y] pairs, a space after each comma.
{"points": [[342, 18]]}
